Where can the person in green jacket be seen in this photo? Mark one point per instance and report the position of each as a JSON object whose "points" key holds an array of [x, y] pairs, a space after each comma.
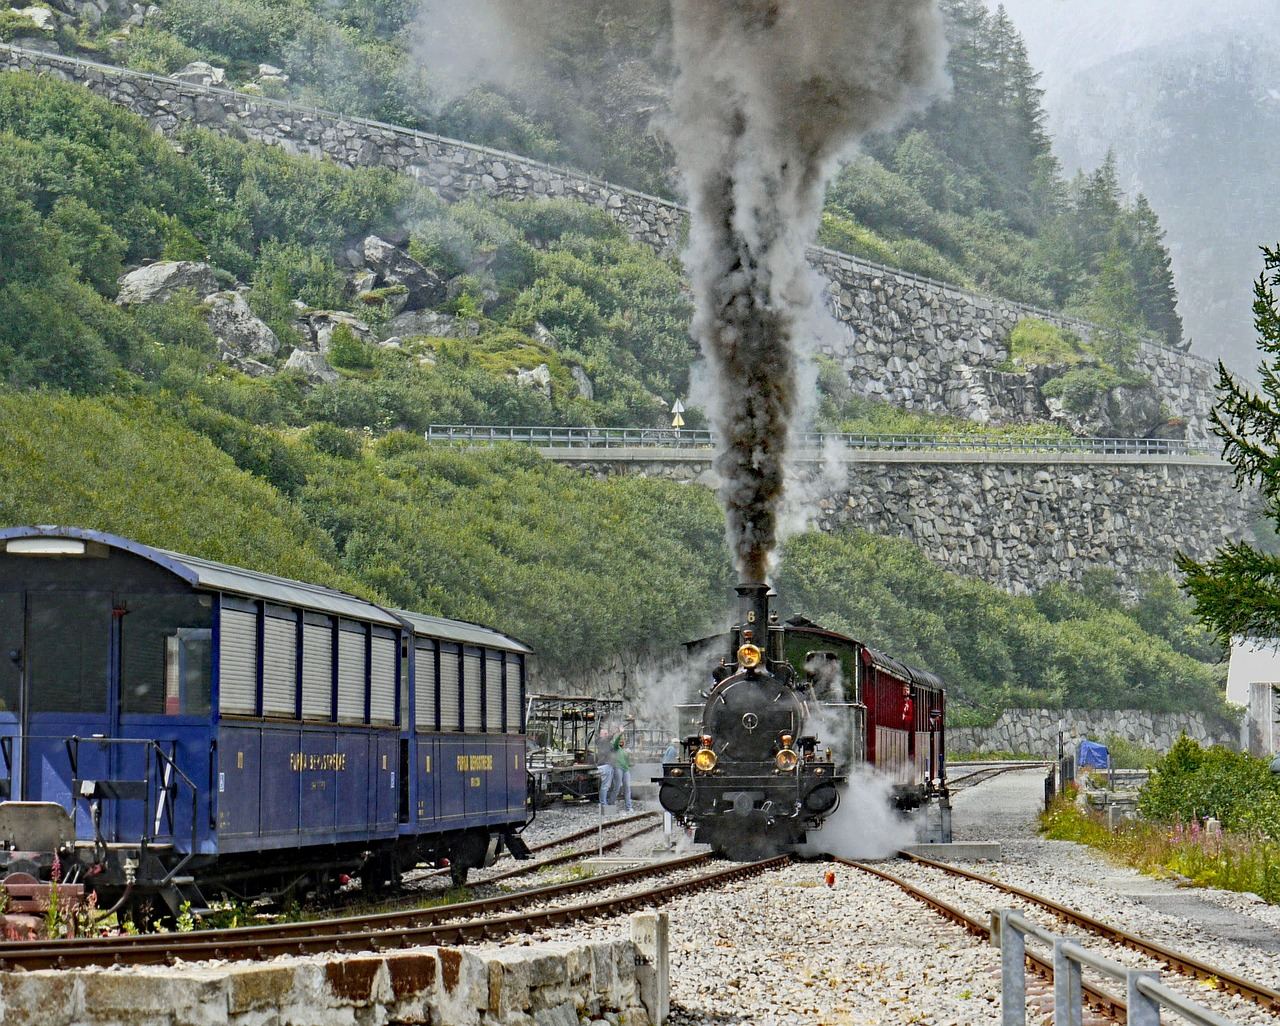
{"points": [[621, 769]]}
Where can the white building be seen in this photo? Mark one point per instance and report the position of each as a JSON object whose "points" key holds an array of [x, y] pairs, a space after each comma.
{"points": [[1253, 681]]}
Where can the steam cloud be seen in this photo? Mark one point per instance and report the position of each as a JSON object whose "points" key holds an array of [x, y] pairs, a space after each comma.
{"points": [[769, 93]]}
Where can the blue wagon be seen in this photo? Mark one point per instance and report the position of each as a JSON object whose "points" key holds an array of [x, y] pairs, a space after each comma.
{"points": [[172, 727]]}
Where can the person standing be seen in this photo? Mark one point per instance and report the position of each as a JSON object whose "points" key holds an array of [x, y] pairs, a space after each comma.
{"points": [[604, 763], [621, 769]]}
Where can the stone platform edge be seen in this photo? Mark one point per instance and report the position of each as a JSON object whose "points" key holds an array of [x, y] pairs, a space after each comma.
{"points": [[621, 982]]}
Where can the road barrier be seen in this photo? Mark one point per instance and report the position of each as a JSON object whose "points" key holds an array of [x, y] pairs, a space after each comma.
{"points": [[670, 438]]}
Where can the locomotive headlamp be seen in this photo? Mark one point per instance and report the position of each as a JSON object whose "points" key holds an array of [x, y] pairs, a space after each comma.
{"points": [[749, 657], [786, 760], [704, 760], [786, 740]]}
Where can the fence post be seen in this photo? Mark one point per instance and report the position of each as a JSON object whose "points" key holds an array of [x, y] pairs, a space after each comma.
{"points": [[1068, 996], [1143, 1010], [1013, 973]]}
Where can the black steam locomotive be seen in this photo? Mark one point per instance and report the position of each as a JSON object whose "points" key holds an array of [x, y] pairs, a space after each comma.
{"points": [[755, 777]]}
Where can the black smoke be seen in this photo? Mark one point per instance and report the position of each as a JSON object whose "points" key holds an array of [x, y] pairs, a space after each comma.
{"points": [[768, 94]]}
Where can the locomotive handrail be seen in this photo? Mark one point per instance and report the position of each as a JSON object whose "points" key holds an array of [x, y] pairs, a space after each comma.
{"points": [[671, 438], [164, 781]]}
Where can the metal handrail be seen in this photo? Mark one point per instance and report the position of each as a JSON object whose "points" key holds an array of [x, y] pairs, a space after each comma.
{"points": [[1144, 993], [168, 777], [670, 438], [846, 260]]}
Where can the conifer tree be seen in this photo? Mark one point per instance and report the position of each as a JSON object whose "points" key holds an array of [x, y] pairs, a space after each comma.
{"points": [[1237, 592]]}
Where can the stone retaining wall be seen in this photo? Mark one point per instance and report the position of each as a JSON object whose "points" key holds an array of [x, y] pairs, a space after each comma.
{"points": [[1035, 731], [1017, 522], [545, 985], [921, 343]]}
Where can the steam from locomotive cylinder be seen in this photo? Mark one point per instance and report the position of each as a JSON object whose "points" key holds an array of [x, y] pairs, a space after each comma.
{"points": [[769, 93]]}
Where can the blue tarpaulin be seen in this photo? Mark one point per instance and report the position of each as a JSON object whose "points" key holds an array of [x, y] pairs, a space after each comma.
{"points": [[1092, 754]]}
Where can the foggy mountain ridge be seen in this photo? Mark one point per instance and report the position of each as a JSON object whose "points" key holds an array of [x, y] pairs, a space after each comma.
{"points": [[1188, 99]]}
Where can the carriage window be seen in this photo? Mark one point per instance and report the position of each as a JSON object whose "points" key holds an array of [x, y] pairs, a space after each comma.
{"points": [[10, 649], [166, 654], [68, 651]]}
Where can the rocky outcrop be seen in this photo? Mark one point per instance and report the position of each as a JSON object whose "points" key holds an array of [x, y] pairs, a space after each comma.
{"points": [[239, 331], [317, 328], [538, 379], [394, 267], [1035, 731], [1126, 411], [157, 282], [429, 323]]}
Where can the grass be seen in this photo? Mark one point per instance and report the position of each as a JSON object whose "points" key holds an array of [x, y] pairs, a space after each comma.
{"points": [[1232, 862], [994, 755]]}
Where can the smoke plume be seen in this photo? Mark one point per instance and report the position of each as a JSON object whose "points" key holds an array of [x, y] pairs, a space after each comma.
{"points": [[769, 93]]}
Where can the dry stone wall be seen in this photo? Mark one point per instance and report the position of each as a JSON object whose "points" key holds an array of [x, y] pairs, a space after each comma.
{"points": [[1035, 731], [545, 985], [1019, 522], [920, 343]]}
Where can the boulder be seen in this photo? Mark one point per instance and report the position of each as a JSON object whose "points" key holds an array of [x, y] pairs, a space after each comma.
{"points": [[1127, 411], [396, 267], [416, 323], [313, 366], [239, 331], [157, 282], [248, 365], [41, 17], [202, 73], [539, 378], [318, 327], [585, 388]]}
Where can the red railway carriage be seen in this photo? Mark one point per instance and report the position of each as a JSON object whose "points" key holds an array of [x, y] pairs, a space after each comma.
{"points": [[897, 712]]}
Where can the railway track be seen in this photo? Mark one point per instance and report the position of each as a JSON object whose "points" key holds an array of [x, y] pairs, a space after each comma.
{"points": [[1178, 962], [1109, 1004], [485, 919], [980, 776], [524, 868]]}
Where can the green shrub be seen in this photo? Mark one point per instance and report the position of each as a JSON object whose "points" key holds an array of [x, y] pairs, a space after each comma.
{"points": [[1037, 343], [1080, 389], [1193, 782], [349, 352]]}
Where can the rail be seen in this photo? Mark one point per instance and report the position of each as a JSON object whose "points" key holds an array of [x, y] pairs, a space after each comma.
{"points": [[844, 260], [1145, 995], [670, 438]]}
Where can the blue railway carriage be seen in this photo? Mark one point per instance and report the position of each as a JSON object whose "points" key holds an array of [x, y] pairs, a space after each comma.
{"points": [[174, 728]]}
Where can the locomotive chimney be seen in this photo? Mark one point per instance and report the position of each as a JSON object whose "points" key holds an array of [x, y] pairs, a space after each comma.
{"points": [[753, 613]]}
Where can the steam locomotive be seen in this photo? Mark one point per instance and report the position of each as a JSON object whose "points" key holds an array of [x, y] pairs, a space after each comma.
{"points": [[786, 723]]}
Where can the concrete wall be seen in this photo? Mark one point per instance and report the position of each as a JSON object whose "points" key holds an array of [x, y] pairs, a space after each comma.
{"points": [[1035, 731], [1019, 521], [924, 344], [543, 985]]}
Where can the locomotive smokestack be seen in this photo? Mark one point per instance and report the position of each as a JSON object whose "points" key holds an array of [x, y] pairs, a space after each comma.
{"points": [[753, 612]]}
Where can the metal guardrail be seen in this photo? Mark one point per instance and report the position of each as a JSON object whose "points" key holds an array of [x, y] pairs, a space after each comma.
{"points": [[670, 438], [1145, 995], [846, 261]]}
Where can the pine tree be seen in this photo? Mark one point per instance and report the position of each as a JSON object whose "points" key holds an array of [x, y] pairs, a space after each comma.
{"points": [[1153, 273], [1237, 592]]}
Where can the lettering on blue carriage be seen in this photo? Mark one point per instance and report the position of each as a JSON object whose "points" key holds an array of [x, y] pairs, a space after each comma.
{"points": [[300, 762], [480, 763]]}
